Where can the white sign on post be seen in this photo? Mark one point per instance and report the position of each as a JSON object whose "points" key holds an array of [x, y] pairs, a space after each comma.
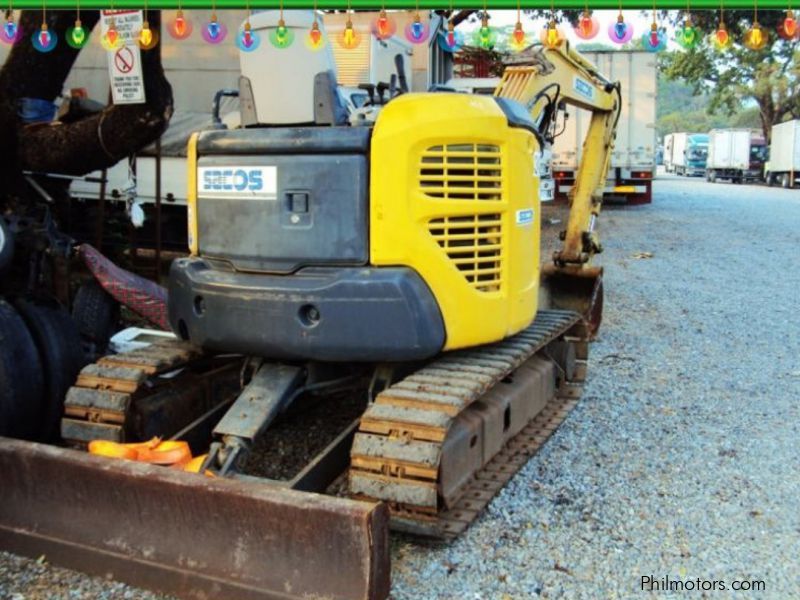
{"points": [[125, 63]]}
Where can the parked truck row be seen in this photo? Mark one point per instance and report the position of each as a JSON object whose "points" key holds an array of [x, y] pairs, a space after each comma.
{"points": [[736, 155]]}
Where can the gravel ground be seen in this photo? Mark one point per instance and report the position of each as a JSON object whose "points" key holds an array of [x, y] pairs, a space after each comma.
{"points": [[682, 460]]}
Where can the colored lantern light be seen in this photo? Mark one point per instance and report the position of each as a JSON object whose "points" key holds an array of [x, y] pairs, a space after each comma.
{"points": [[654, 40], [620, 32], [755, 38], [147, 38], [588, 26], [416, 31], [720, 39], [485, 37], [247, 40], [788, 29], [450, 40], [10, 32], [111, 39], [44, 40], [214, 31], [519, 39], [315, 40], [76, 35], [349, 38], [687, 36], [551, 37], [180, 27], [383, 27], [281, 36]]}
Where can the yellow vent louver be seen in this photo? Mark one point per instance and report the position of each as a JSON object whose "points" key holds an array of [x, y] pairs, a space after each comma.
{"points": [[462, 172], [474, 245]]}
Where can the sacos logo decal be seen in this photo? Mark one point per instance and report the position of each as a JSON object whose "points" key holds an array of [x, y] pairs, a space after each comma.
{"points": [[583, 87], [238, 182]]}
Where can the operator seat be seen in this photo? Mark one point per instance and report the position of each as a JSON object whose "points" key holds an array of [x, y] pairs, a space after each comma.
{"points": [[292, 85]]}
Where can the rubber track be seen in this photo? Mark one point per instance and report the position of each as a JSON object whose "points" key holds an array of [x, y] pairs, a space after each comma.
{"points": [[409, 422], [96, 407]]}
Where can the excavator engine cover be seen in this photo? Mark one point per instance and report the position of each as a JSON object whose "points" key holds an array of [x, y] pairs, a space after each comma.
{"points": [[390, 243]]}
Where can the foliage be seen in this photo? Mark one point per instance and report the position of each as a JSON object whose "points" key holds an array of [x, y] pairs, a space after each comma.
{"points": [[680, 109], [769, 78]]}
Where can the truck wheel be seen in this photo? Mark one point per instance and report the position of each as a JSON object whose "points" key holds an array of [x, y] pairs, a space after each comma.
{"points": [[59, 344], [785, 181], [96, 314], [770, 179], [712, 176], [6, 245], [20, 377]]}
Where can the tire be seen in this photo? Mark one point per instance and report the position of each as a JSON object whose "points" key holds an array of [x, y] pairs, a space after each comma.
{"points": [[712, 176], [770, 178], [6, 245], [20, 377], [61, 354], [785, 181], [96, 314]]}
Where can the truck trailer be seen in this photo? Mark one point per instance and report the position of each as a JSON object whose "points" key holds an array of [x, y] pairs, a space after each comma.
{"points": [[784, 154], [689, 153], [633, 161], [669, 141], [735, 154]]}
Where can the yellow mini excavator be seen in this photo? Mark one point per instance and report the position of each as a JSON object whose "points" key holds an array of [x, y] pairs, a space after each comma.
{"points": [[400, 244]]}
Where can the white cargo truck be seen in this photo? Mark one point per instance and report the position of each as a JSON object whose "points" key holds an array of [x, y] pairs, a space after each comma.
{"points": [[633, 161], [735, 154], [784, 155]]}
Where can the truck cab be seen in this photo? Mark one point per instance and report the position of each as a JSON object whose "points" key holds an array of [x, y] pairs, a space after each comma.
{"points": [[696, 155], [759, 155]]}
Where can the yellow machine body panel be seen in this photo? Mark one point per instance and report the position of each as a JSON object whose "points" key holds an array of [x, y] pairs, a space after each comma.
{"points": [[451, 196], [191, 194]]}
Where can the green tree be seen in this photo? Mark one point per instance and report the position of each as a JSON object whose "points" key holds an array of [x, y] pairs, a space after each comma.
{"points": [[738, 76]]}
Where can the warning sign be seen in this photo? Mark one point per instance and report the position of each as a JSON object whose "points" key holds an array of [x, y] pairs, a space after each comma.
{"points": [[125, 64]]}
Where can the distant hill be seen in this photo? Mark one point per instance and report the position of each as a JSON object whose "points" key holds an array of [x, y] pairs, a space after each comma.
{"points": [[679, 110]]}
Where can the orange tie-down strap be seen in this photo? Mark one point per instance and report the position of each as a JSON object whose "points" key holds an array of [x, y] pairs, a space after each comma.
{"points": [[170, 453]]}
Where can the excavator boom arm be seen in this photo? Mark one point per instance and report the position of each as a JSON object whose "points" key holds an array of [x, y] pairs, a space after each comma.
{"points": [[563, 75]]}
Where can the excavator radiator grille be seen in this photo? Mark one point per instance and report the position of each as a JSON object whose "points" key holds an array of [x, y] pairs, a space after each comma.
{"points": [[462, 172], [474, 245]]}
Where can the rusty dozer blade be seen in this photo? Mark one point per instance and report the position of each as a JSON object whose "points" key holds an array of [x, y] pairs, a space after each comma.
{"points": [[575, 288], [185, 534]]}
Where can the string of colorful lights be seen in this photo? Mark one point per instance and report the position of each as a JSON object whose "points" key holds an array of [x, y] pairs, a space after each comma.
{"points": [[416, 31]]}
